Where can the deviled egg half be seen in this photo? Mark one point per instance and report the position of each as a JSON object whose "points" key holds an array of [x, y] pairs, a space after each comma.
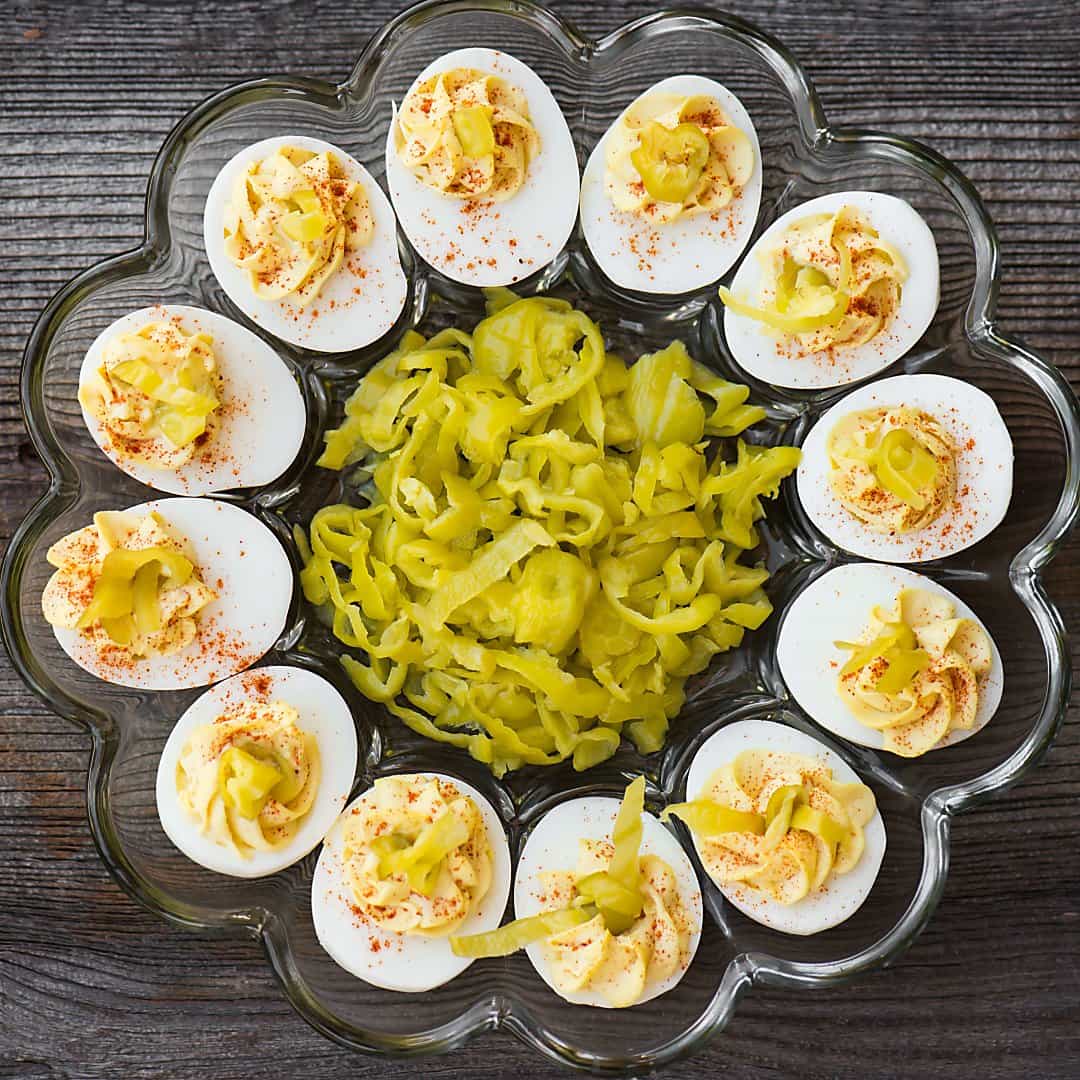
{"points": [[416, 859], [482, 169], [257, 770], [908, 469], [607, 903], [168, 595], [303, 241], [832, 292], [887, 658], [671, 192], [782, 826], [189, 402]]}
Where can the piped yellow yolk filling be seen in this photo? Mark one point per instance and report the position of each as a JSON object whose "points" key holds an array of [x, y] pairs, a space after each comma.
{"points": [[126, 582], [291, 221], [417, 856], [778, 823], [548, 552], [830, 281], [894, 468], [673, 156], [155, 394], [249, 778], [618, 963], [915, 674], [613, 926], [467, 134]]}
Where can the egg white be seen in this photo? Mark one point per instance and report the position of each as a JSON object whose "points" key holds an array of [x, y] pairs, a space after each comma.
{"points": [[357, 305], [408, 963], [684, 254], [554, 845], [323, 713], [984, 470], [493, 243], [757, 349], [261, 422], [843, 894], [838, 606], [231, 547]]}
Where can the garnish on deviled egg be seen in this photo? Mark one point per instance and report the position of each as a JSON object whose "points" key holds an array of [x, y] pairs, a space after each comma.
{"points": [[416, 858], [908, 469], [304, 242], [155, 393], [834, 291], [417, 855], [782, 825], [893, 468], [914, 675], [830, 281], [168, 595], [618, 928], [256, 770], [187, 401], [884, 657], [481, 168], [670, 193], [248, 778], [672, 155], [125, 583], [778, 822], [467, 133], [291, 219]]}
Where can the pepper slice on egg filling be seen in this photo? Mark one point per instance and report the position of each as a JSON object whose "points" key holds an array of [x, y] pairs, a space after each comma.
{"points": [[777, 822], [611, 927], [125, 583], [916, 675], [830, 280]]}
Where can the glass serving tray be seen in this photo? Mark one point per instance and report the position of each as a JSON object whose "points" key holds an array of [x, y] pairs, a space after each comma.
{"points": [[999, 577]]}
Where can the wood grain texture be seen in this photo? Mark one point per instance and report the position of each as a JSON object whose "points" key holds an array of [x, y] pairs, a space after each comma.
{"points": [[92, 986]]}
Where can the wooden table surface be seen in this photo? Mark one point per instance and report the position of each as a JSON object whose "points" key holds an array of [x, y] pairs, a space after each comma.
{"points": [[93, 986]]}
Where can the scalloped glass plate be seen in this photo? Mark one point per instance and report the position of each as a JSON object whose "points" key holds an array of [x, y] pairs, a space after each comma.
{"points": [[999, 577]]}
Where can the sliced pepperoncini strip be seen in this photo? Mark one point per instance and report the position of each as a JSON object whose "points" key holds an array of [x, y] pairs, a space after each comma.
{"points": [[897, 647], [705, 818], [791, 323], [904, 467], [515, 935], [670, 161], [550, 546], [421, 859], [614, 893], [245, 782], [819, 823], [127, 589]]}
